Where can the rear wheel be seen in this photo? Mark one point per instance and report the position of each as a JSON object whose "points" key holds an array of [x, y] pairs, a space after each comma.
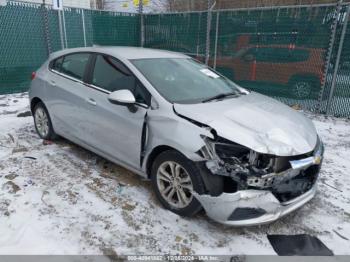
{"points": [[174, 178], [42, 121]]}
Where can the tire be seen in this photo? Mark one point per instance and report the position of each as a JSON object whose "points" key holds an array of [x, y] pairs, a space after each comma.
{"points": [[188, 205], [42, 122]]}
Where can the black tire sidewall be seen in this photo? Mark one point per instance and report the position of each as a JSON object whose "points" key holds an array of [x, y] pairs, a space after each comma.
{"points": [[51, 134], [197, 182]]}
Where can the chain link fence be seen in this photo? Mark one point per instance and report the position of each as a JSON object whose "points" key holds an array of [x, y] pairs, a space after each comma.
{"points": [[30, 32], [297, 54], [184, 33], [335, 96], [280, 52]]}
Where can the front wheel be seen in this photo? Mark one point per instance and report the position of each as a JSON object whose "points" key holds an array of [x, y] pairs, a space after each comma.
{"points": [[174, 178], [42, 121]]}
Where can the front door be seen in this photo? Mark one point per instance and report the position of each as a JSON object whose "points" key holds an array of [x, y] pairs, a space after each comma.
{"points": [[115, 130]]}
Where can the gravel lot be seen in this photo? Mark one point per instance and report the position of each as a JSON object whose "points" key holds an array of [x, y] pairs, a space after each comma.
{"points": [[61, 199]]}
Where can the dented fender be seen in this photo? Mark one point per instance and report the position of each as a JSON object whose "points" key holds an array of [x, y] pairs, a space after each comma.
{"points": [[171, 130]]}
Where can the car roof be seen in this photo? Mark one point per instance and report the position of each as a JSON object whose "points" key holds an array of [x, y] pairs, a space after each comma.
{"points": [[123, 52]]}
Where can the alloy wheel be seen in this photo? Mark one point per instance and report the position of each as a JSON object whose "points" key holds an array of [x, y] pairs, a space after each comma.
{"points": [[41, 122], [174, 184]]}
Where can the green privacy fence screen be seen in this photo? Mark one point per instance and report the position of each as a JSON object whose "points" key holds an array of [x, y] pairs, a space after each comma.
{"points": [[280, 52], [285, 52], [177, 32], [26, 37], [22, 45]]}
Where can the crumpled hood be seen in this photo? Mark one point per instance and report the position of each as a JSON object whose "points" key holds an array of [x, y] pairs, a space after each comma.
{"points": [[257, 122]]}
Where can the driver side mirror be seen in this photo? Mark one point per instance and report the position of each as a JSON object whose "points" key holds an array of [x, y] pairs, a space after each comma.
{"points": [[122, 97]]}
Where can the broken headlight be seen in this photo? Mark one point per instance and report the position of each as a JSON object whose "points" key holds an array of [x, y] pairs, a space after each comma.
{"points": [[234, 158]]}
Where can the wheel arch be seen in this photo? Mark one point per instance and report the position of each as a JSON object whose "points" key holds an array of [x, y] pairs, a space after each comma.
{"points": [[213, 183], [154, 154], [34, 101]]}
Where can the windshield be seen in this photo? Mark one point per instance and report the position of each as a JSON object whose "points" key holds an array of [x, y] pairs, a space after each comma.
{"points": [[184, 80]]}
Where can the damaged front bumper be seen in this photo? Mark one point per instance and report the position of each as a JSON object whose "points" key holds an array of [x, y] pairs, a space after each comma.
{"points": [[250, 207], [269, 197]]}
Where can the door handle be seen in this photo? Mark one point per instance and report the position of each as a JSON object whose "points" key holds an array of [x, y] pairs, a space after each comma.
{"points": [[91, 101], [53, 83]]}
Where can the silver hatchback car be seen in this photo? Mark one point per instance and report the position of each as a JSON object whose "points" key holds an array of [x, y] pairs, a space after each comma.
{"points": [[202, 140]]}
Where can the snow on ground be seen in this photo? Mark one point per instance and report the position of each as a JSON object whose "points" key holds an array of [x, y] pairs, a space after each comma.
{"points": [[62, 199]]}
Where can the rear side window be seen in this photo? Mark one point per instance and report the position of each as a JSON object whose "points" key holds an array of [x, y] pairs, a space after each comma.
{"points": [[57, 64], [74, 65]]}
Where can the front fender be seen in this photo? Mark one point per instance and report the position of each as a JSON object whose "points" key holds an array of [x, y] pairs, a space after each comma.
{"points": [[174, 132]]}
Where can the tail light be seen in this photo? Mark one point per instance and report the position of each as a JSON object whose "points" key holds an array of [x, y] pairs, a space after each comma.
{"points": [[33, 75]]}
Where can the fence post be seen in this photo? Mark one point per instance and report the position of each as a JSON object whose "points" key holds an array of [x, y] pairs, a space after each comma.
{"points": [[46, 28], [64, 29], [340, 49], [216, 37], [60, 27], [209, 16], [329, 55], [84, 29], [142, 29]]}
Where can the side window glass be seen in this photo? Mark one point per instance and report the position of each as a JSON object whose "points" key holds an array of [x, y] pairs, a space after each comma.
{"points": [[111, 75], [57, 64], [141, 94], [74, 65]]}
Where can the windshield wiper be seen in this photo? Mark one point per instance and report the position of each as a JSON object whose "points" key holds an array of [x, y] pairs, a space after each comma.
{"points": [[220, 96]]}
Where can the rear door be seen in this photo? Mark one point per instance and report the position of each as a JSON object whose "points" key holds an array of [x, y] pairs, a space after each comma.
{"points": [[115, 130], [65, 94]]}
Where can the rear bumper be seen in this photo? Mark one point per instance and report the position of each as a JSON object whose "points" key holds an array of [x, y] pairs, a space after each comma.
{"points": [[250, 207]]}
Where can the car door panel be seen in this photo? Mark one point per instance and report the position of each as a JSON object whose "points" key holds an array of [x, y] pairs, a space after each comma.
{"points": [[114, 129], [65, 100], [65, 94]]}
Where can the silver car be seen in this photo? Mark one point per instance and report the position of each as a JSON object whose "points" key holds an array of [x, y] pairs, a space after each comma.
{"points": [[202, 140]]}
